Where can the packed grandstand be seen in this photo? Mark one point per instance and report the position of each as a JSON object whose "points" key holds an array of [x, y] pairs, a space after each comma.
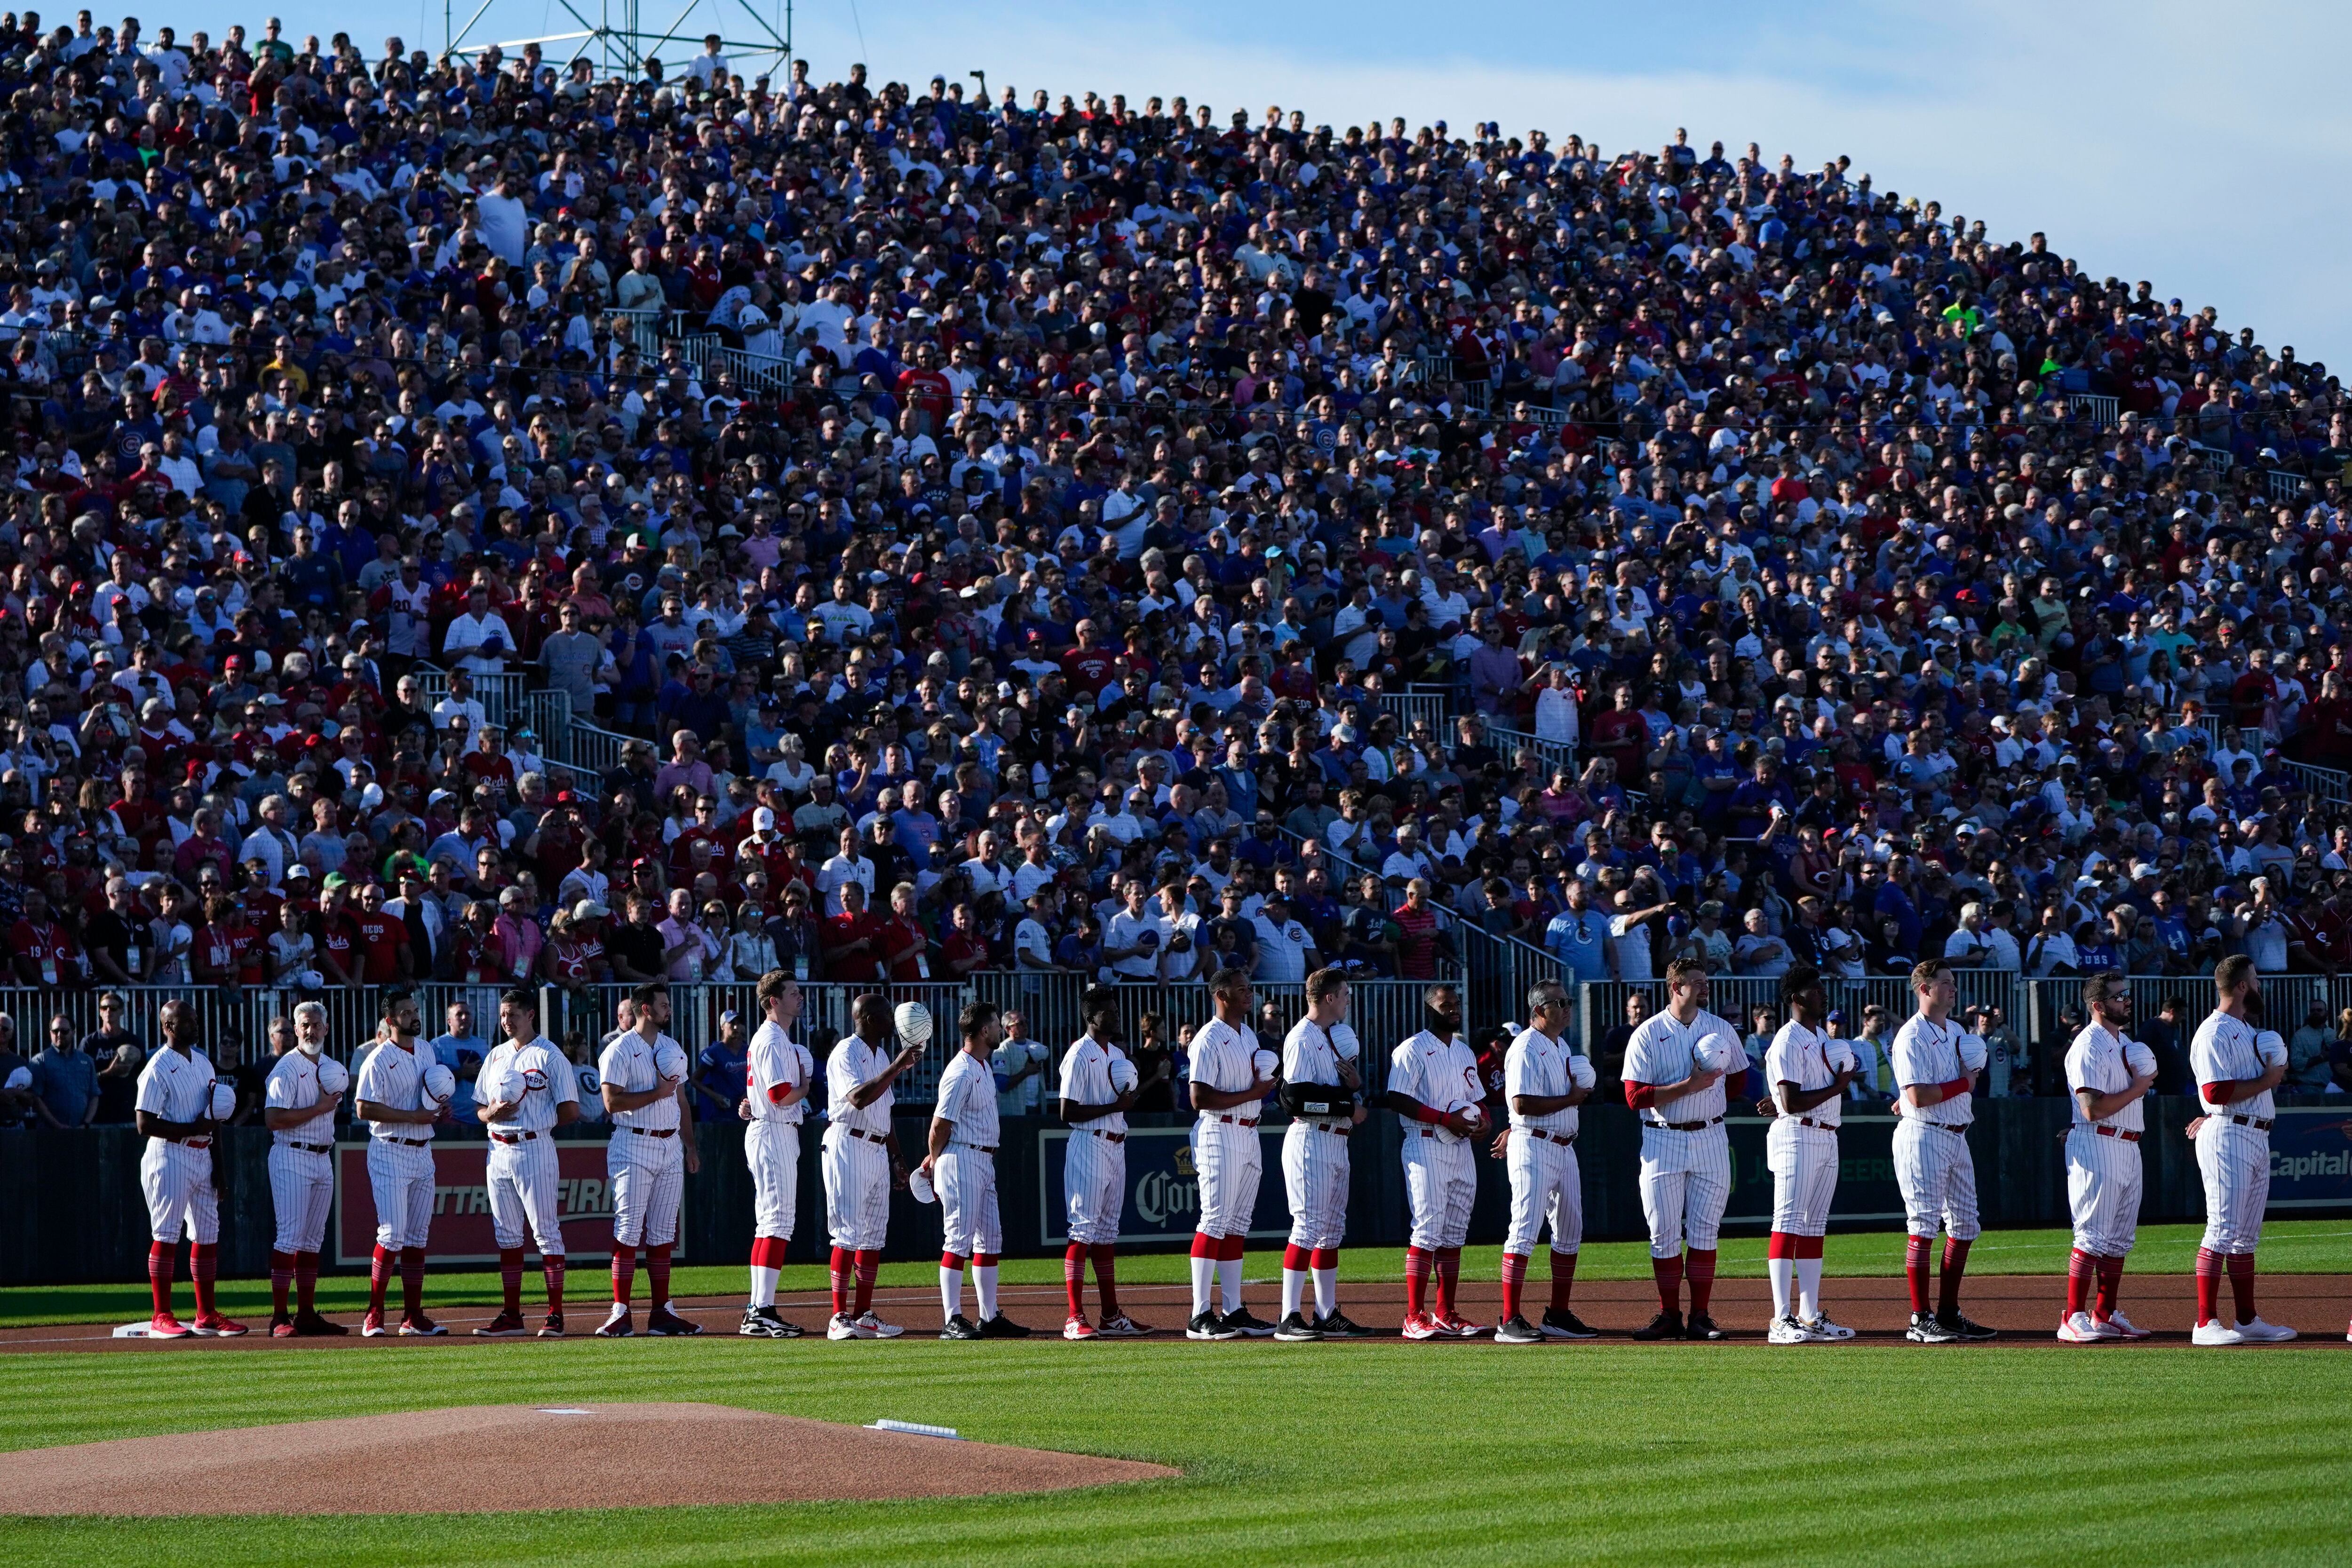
{"points": [[486, 519]]}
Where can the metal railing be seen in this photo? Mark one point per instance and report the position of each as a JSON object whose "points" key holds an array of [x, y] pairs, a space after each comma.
{"points": [[1432, 705], [1601, 1004], [2327, 783], [505, 698], [2096, 407], [1555, 754]]}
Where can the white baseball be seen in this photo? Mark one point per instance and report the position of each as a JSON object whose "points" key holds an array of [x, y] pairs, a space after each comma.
{"points": [[913, 1022], [1266, 1062], [333, 1076], [2272, 1047], [440, 1084], [1123, 1076], [224, 1105]]}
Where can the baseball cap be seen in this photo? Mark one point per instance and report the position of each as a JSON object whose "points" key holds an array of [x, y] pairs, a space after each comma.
{"points": [[764, 821], [589, 909]]}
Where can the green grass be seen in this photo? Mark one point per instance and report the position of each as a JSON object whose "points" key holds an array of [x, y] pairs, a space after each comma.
{"points": [[2289, 1247], [1375, 1453]]}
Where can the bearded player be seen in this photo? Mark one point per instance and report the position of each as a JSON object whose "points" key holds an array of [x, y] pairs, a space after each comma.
{"points": [[1674, 1068], [2108, 1074], [2238, 1065], [1546, 1083], [1231, 1078], [1099, 1084], [1435, 1085], [299, 1104]]}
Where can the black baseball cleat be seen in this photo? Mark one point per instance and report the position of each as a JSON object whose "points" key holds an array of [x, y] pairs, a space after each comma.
{"points": [[1338, 1326], [668, 1324], [1002, 1327], [1961, 1328], [962, 1327], [506, 1325], [1560, 1323], [1665, 1325], [1517, 1330], [1208, 1325], [1701, 1326], [307, 1323], [1927, 1329], [1241, 1322], [766, 1322], [1296, 1328], [553, 1327]]}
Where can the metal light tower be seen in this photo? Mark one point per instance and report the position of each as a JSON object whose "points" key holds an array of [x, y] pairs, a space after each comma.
{"points": [[617, 42]]}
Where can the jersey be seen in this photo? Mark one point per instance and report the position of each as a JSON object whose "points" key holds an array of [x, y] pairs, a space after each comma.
{"points": [[294, 1086], [1440, 1074], [1809, 1060], [2223, 1051], [535, 1076], [1224, 1057], [968, 1099], [393, 1075], [1926, 1052], [1539, 1064], [852, 1063], [177, 1088], [1312, 1054], [2104, 1062], [633, 1065], [777, 1065], [1664, 1050], [1085, 1079]]}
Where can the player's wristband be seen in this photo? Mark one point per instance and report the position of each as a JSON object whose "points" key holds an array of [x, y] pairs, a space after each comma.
{"points": [[1956, 1086], [1429, 1114]]}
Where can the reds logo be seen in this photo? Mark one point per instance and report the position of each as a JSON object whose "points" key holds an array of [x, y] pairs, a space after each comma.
{"points": [[533, 1078]]}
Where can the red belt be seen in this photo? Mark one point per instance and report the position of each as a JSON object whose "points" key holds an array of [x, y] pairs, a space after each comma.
{"points": [[869, 1137], [1809, 1121], [2106, 1132], [1341, 1128], [207, 1143], [512, 1137], [1106, 1137], [1684, 1126], [1957, 1129], [407, 1143], [1237, 1121], [1549, 1137], [2259, 1124]]}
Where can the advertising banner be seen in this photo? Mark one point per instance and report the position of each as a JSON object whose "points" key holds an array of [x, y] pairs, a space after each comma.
{"points": [[461, 1205]]}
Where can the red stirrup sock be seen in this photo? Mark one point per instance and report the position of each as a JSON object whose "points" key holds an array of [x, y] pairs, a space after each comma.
{"points": [[281, 1279], [657, 1274], [841, 1270], [1668, 1273], [2209, 1285], [1106, 1276], [2111, 1280], [2079, 1269], [1914, 1270], [161, 1256], [1073, 1277], [1515, 1278], [379, 1279], [1700, 1271], [412, 1281], [511, 1278], [306, 1281], [624, 1274], [203, 1262], [2241, 1285], [1449, 1279], [1417, 1263], [869, 1264], [1564, 1278], [1947, 1288], [551, 1268]]}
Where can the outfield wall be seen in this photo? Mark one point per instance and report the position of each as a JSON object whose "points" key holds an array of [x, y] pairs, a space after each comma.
{"points": [[70, 1208]]}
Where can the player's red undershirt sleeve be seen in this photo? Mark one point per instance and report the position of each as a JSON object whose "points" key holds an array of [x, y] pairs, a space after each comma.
{"points": [[776, 1093], [1641, 1096], [2216, 1093]]}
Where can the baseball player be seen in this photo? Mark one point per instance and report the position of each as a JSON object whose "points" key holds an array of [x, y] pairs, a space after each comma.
{"points": [[651, 1154], [1936, 1064], [776, 1074], [2108, 1073], [960, 1164], [1231, 1078], [401, 1092], [525, 1090], [1676, 1065], [1099, 1088], [298, 1105], [176, 1111], [1433, 1081], [1808, 1072], [860, 1164], [1543, 1083], [2237, 1066], [1321, 1081]]}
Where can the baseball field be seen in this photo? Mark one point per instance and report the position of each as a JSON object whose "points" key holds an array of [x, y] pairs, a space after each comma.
{"points": [[1376, 1452]]}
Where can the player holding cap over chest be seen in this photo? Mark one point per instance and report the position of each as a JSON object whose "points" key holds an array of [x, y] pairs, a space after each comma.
{"points": [[960, 1164], [1936, 1064], [1099, 1084], [1544, 1083], [2238, 1065], [859, 1160], [1321, 1082], [1232, 1076], [1674, 1068], [2107, 1073], [401, 1092], [178, 1106], [1808, 1071], [776, 1077], [649, 1160], [1434, 1084], [524, 1091], [298, 1105]]}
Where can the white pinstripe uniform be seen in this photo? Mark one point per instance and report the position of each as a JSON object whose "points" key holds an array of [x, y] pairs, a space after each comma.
{"points": [[400, 1154], [1546, 1186], [965, 1173], [1932, 1163], [1803, 1159], [2103, 1171], [1315, 1153], [1441, 1181], [523, 1170], [1094, 1168], [1225, 1150], [302, 1157], [778, 1064], [1685, 1176], [2232, 1154], [645, 1161], [854, 1158], [177, 1178]]}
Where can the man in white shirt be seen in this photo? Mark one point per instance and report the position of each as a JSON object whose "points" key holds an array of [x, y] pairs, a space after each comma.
{"points": [[524, 1091], [1133, 937], [1675, 1067], [2237, 1067], [1543, 1085], [2107, 1073], [860, 1163], [479, 640], [1286, 950], [653, 1151], [778, 1070], [961, 1166], [1936, 1064]]}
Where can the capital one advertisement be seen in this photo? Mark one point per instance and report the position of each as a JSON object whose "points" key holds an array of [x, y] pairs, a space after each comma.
{"points": [[461, 1229]]}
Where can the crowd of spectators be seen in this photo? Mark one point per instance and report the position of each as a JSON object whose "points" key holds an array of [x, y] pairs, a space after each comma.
{"points": [[1031, 584]]}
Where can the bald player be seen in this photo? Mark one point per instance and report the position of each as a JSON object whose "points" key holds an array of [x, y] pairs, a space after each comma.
{"points": [[1434, 1084], [2237, 1064], [1545, 1084], [1808, 1072], [776, 1075], [174, 1114], [860, 1163], [1099, 1088], [652, 1152], [1321, 1082], [1230, 1084], [960, 1164], [1935, 1065], [2107, 1072], [525, 1090], [1674, 1070], [299, 1104], [391, 1097]]}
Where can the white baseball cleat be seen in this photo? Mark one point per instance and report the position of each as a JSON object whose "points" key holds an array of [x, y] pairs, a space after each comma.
{"points": [[872, 1327], [843, 1326], [2122, 1327], [2215, 1331], [2080, 1328], [1788, 1331], [2257, 1332], [1822, 1329]]}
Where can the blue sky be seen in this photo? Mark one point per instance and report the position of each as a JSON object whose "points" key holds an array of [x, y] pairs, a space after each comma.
{"points": [[2177, 143]]}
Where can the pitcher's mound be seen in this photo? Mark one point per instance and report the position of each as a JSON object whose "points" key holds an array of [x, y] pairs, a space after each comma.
{"points": [[481, 1459]]}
